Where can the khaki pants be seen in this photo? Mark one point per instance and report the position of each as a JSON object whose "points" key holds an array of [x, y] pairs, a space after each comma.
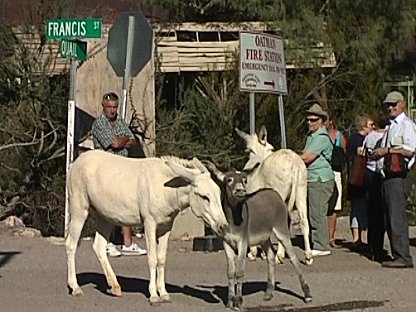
{"points": [[319, 194]]}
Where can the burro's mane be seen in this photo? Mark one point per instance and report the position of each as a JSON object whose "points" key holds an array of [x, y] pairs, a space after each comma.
{"points": [[194, 163]]}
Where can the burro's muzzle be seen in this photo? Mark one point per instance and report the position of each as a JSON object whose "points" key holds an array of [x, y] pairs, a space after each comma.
{"points": [[222, 229]]}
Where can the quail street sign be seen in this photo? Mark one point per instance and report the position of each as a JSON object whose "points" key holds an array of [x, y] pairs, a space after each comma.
{"points": [[73, 49], [74, 28]]}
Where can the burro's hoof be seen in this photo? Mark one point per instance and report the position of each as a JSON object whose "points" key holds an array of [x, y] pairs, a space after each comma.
{"points": [[165, 299], [308, 299], [116, 291], [279, 259], [76, 292], [155, 301], [309, 261]]}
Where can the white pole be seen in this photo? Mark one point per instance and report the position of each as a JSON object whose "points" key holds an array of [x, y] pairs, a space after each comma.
{"points": [[252, 114], [282, 121], [127, 70], [70, 132]]}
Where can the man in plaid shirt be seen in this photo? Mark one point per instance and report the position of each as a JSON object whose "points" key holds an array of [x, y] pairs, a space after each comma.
{"points": [[111, 133]]}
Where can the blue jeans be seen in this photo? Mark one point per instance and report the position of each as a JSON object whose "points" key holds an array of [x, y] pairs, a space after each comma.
{"points": [[358, 215]]}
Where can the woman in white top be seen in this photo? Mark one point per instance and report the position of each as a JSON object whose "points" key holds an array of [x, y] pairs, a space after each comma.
{"points": [[375, 212]]}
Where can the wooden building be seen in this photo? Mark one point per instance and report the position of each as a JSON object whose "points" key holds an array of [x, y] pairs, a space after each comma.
{"points": [[178, 48]]}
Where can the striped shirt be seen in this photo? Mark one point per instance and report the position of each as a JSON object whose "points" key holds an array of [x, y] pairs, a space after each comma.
{"points": [[104, 132]]}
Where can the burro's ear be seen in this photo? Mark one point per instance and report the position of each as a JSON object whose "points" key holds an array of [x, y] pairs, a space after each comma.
{"points": [[198, 164], [182, 172], [241, 134], [214, 170], [263, 135]]}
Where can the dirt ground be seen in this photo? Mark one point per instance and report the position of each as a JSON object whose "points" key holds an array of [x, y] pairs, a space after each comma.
{"points": [[33, 278]]}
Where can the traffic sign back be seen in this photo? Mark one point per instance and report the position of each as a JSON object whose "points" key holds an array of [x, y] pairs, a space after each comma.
{"points": [[142, 43]]}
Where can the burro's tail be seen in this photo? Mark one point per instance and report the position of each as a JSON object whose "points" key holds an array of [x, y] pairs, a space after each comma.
{"points": [[293, 188]]}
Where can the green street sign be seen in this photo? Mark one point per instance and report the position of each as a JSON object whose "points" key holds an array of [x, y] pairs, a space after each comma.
{"points": [[73, 49], [74, 28]]}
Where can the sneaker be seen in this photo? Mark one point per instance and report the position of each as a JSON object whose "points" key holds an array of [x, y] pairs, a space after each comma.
{"points": [[397, 264], [112, 250], [132, 250], [317, 253]]}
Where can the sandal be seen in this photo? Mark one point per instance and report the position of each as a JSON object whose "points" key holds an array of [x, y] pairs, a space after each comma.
{"points": [[358, 246], [334, 245]]}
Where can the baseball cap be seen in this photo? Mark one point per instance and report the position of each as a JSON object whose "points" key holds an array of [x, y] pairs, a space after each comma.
{"points": [[393, 97]]}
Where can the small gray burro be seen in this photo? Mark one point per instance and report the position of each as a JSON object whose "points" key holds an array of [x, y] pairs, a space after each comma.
{"points": [[253, 219]]}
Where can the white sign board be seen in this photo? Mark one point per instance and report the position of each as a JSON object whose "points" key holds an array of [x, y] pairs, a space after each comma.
{"points": [[262, 63]]}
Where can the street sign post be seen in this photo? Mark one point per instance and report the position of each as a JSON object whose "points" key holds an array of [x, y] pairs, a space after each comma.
{"points": [[69, 30], [130, 46], [263, 69], [73, 49], [74, 28]]}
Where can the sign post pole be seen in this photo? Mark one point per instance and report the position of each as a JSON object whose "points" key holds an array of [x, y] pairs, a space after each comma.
{"points": [[70, 130], [127, 69], [252, 113], [282, 121]]}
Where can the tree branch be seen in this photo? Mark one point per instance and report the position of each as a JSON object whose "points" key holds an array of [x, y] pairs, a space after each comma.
{"points": [[4, 147]]}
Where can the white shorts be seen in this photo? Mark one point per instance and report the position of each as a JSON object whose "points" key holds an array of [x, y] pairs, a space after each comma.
{"points": [[338, 182]]}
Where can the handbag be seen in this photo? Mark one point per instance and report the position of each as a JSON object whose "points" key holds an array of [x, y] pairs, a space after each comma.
{"points": [[338, 158], [394, 166], [338, 154], [357, 172]]}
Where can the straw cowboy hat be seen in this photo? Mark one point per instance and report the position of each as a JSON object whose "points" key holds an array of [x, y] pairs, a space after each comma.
{"points": [[317, 110]]}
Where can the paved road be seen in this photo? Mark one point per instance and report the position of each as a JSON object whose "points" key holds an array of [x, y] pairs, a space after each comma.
{"points": [[33, 278]]}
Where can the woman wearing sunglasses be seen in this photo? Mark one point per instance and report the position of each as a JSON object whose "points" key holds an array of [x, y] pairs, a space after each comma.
{"points": [[316, 155]]}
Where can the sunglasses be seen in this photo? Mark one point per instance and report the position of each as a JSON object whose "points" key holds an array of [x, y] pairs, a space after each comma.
{"points": [[312, 119], [110, 96], [391, 104]]}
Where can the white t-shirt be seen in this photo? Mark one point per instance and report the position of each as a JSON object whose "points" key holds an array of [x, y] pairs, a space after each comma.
{"points": [[369, 143]]}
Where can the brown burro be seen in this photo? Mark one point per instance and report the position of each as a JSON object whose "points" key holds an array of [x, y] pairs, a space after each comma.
{"points": [[253, 220]]}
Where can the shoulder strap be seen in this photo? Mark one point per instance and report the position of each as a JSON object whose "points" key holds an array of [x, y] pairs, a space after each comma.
{"points": [[338, 140], [333, 144]]}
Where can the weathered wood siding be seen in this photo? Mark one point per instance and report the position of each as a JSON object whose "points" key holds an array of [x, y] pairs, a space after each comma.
{"points": [[185, 47]]}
